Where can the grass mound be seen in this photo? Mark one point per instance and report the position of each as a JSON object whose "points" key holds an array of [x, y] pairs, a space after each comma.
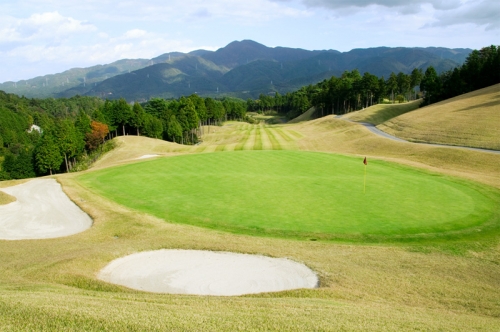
{"points": [[6, 198], [382, 112], [306, 116], [298, 194], [472, 120]]}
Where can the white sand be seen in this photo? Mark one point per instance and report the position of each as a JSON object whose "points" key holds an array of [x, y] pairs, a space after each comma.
{"points": [[148, 156], [42, 211], [207, 273]]}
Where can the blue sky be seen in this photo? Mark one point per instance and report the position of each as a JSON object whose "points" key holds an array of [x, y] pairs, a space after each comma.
{"points": [[39, 37]]}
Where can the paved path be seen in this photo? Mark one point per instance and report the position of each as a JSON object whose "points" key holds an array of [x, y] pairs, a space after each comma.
{"points": [[376, 131]]}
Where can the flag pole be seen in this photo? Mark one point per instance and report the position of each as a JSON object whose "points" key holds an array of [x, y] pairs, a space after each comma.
{"points": [[364, 186]]}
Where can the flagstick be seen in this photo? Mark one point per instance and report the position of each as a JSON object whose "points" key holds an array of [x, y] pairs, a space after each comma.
{"points": [[364, 189]]}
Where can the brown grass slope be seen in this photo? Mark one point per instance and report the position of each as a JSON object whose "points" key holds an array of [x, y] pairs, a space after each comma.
{"points": [[6, 198], [379, 113], [306, 116], [472, 120]]}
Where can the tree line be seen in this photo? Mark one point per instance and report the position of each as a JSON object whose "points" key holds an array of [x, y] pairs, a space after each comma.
{"points": [[42, 136], [68, 132], [480, 69], [338, 95]]}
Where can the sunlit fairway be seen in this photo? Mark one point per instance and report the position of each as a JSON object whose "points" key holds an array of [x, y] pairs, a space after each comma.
{"points": [[298, 194]]}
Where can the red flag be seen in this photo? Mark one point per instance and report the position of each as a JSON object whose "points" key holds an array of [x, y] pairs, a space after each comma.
{"points": [[365, 162]]}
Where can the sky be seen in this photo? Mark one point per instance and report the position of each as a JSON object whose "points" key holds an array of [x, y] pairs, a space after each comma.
{"points": [[39, 37]]}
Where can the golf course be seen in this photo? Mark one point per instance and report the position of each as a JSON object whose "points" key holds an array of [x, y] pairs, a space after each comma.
{"points": [[409, 241]]}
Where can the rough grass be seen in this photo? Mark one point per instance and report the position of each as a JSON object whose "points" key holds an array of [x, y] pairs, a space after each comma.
{"points": [[49, 285], [6, 198], [472, 119], [306, 116], [382, 112]]}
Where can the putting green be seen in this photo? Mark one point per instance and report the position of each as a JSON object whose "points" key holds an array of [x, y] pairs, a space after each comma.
{"points": [[297, 194]]}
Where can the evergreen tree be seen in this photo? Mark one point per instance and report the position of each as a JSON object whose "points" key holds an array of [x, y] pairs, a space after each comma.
{"points": [[48, 156], [174, 129], [137, 119]]}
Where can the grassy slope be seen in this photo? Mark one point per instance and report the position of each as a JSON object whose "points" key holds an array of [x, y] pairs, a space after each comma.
{"points": [[306, 116], [51, 285], [6, 198], [382, 112], [472, 119]]}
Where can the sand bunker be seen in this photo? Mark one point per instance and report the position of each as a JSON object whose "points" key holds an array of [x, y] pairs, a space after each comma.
{"points": [[148, 156], [42, 211], [207, 273]]}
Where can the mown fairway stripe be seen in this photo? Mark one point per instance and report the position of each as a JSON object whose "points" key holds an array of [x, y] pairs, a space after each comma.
{"points": [[283, 135], [250, 139], [275, 144], [257, 145], [266, 140]]}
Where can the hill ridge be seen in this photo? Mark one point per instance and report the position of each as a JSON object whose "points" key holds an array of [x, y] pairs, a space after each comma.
{"points": [[297, 67]]}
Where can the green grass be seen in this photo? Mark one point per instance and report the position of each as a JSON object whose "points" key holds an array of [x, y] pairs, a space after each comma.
{"points": [[300, 194]]}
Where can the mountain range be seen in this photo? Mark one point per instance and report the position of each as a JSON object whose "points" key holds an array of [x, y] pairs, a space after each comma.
{"points": [[242, 69]]}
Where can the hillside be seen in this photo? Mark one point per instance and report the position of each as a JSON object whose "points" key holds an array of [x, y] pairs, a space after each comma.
{"points": [[244, 69], [471, 119], [71, 82], [306, 116], [379, 113]]}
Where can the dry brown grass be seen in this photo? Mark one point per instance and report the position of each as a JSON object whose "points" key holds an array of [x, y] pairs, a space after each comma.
{"points": [[306, 116], [6, 198], [382, 112], [129, 148], [472, 119]]}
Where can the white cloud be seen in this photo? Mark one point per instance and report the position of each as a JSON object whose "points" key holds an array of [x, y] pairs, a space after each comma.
{"points": [[41, 27], [484, 13], [134, 34], [481, 13]]}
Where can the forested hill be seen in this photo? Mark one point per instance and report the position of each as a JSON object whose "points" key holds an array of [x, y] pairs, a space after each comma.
{"points": [[243, 69]]}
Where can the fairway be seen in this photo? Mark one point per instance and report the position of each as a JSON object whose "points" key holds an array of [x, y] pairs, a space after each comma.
{"points": [[306, 195]]}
